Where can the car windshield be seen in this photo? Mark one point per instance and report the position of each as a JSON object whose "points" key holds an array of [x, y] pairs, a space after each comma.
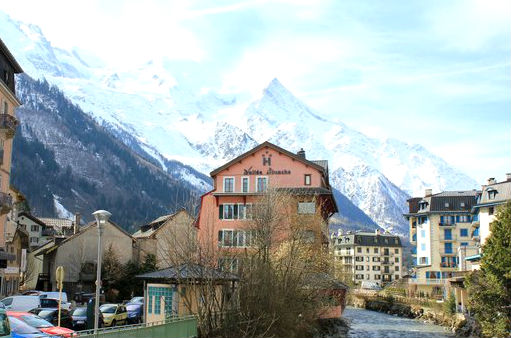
{"points": [[35, 321], [136, 300], [108, 308], [20, 327], [133, 307], [81, 311]]}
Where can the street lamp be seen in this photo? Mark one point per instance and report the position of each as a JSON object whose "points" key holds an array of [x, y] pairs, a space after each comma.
{"points": [[102, 217]]}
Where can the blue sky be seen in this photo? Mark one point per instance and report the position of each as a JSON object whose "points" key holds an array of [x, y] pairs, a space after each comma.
{"points": [[436, 73]]}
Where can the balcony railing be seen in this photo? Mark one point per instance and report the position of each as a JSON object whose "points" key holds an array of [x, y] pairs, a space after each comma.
{"points": [[449, 265], [448, 252], [446, 225], [450, 238], [427, 281], [5, 203], [8, 124]]}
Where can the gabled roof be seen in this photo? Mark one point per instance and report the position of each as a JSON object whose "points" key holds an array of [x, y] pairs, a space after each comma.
{"points": [[276, 148], [188, 272], [32, 218], [14, 64], [153, 227], [88, 227]]}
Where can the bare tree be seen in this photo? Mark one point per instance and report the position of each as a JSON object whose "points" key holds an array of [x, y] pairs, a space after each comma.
{"points": [[279, 292]]}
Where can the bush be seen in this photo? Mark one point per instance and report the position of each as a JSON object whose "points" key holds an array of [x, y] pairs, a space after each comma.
{"points": [[450, 305]]}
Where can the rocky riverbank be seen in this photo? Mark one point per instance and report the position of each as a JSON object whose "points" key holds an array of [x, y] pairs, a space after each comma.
{"points": [[459, 324]]}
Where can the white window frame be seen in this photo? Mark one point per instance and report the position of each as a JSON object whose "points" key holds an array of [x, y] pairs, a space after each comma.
{"points": [[233, 183], [309, 176], [257, 185], [223, 211], [248, 185], [244, 218]]}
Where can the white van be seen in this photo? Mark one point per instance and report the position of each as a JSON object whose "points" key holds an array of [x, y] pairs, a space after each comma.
{"points": [[55, 295], [21, 303]]}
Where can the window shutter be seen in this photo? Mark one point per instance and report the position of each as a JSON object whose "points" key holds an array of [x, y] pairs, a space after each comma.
{"points": [[235, 216], [221, 209], [457, 218], [452, 220], [441, 219]]}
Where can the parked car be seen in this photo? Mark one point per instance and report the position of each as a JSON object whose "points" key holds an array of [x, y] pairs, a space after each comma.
{"points": [[52, 315], [21, 303], [20, 329], [5, 329], [114, 314], [39, 323], [79, 316], [135, 312], [137, 300], [55, 296]]}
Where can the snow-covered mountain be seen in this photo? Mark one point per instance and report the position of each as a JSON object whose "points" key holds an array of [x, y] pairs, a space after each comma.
{"points": [[175, 120]]}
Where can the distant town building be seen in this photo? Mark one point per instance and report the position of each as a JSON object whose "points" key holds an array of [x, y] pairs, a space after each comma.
{"points": [[368, 257], [493, 195], [167, 238], [440, 227], [78, 255]]}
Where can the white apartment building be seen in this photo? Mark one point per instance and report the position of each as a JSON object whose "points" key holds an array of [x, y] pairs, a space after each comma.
{"points": [[368, 257]]}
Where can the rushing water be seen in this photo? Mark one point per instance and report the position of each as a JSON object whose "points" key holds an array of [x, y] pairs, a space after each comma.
{"points": [[365, 323]]}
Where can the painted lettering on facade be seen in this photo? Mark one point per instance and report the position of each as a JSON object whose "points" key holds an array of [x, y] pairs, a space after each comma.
{"points": [[270, 171]]}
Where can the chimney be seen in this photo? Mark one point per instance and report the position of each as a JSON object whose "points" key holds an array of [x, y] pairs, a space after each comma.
{"points": [[76, 228], [491, 180], [301, 153], [377, 232], [508, 177], [428, 192]]}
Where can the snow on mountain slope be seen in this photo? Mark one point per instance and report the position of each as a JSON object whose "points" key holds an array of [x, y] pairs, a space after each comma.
{"points": [[204, 129]]}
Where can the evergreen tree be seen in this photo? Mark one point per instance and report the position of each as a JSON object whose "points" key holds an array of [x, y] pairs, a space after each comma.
{"points": [[490, 288]]}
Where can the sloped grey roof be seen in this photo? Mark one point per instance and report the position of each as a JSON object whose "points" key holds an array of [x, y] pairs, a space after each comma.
{"points": [[367, 239], [187, 272], [323, 163], [503, 193], [446, 201]]}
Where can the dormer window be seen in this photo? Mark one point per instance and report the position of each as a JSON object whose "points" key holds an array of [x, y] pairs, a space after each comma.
{"points": [[492, 193], [423, 205], [447, 204], [462, 204]]}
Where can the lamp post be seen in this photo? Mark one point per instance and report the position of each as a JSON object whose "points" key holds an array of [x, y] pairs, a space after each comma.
{"points": [[102, 217]]}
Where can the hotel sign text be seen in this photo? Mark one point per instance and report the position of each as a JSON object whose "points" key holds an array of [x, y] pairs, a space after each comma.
{"points": [[270, 171]]}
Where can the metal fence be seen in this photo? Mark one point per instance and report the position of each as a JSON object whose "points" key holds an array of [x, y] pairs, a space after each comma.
{"points": [[177, 327]]}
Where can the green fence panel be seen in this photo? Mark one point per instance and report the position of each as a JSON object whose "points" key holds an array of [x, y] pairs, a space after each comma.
{"points": [[176, 328]]}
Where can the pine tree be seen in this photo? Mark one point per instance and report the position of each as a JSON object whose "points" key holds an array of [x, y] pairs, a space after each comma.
{"points": [[490, 288]]}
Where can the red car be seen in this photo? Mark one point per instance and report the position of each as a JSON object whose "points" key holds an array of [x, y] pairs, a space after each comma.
{"points": [[40, 324]]}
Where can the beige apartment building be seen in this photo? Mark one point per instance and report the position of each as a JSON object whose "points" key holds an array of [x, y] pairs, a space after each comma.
{"points": [[368, 257], [168, 238], [8, 103], [493, 195], [440, 230]]}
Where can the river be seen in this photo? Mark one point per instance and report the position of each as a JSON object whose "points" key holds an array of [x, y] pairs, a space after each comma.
{"points": [[366, 324]]}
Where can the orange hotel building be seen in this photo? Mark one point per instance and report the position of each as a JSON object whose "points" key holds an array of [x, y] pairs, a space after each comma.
{"points": [[224, 212]]}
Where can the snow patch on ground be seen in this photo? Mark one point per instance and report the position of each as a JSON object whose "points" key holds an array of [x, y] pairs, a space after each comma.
{"points": [[61, 211]]}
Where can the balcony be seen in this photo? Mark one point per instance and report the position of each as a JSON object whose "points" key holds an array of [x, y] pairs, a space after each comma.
{"points": [[447, 225], [447, 252], [5, 203], [449, 265], [8, 124], [427, 281], [450, 238], [387, 262]]}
